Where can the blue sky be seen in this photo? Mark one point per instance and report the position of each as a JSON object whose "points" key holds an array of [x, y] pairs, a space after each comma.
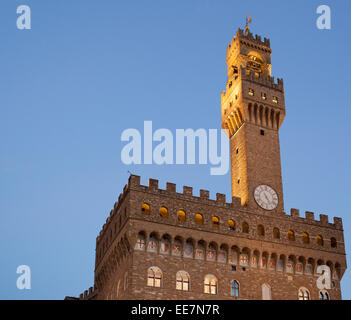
{"points": [[89, 69]]}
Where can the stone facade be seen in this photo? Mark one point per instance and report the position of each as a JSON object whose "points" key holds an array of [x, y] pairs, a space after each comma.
{"points": [[161, 244]]}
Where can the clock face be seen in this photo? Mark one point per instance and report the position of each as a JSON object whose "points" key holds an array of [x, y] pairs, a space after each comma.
{"points": [[266, 197]]}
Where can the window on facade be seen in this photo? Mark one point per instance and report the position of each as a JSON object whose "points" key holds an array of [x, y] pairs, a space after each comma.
{"points": [[275, 99], [305, 238], [260, 230], [304, 294], [182, 281], [333, 243], [276, 233], [231, 225], [181, 215], [210, 284], [291, 235], [320, 240], [251, 92], [263, 96], [198, 218], [154, 277], [164, 212], [234, 286], [215, 222], [262, 132], [323, 295], [245, 227], [145, 208]]}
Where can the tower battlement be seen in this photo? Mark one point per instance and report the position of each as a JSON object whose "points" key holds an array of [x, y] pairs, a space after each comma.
{"points": [[204, 199], [155, 232], [262, 79], [250, 40]]}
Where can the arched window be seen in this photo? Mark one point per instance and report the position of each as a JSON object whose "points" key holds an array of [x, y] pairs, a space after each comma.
{"points": [[231, 225], [305, 238], [245, 227], [320, 240], [234, 285], [154, 277], [164, 212], [291, 235], [182, 281], [210, 284], [215, 222], [324, 295], [199, 219], [304, 294], [145, 208], [181, 215], [260, 230], [333, 243], [276, 233]]}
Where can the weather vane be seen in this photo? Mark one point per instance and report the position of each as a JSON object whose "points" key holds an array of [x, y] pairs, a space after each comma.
{"points": [[248, 21]]}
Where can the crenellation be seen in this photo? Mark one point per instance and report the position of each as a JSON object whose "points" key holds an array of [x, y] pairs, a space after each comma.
{"points": [[295, 213], [236, 202], [323, 219], [220, 198], [171, 187], [187, 191], [153, 184], [309, 215], [169, 229], [338, 223], [134, 181], [265, 80], [204, 194]]}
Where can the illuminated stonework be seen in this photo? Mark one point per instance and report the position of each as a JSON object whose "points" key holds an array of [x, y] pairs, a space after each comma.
{"points": [[162, 244]]}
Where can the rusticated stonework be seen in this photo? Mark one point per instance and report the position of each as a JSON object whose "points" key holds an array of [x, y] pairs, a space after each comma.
{"points": [[160, 244]]}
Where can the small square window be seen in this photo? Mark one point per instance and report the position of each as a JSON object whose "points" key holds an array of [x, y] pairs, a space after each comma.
{"points": [[233, 268], [251, 92], [243, 269], [262, 132], [275, 100], [263, 96]]}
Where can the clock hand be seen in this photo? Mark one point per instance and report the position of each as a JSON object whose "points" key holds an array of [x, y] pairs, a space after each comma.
{"points": [[266, 197]]}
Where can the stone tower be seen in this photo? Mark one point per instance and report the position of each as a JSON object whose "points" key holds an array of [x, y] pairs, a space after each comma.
{"points": [[158, 243], [253, 110]]}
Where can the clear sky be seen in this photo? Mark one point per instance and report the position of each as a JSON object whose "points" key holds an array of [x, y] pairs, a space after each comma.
{"points": [[88, 69]]}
